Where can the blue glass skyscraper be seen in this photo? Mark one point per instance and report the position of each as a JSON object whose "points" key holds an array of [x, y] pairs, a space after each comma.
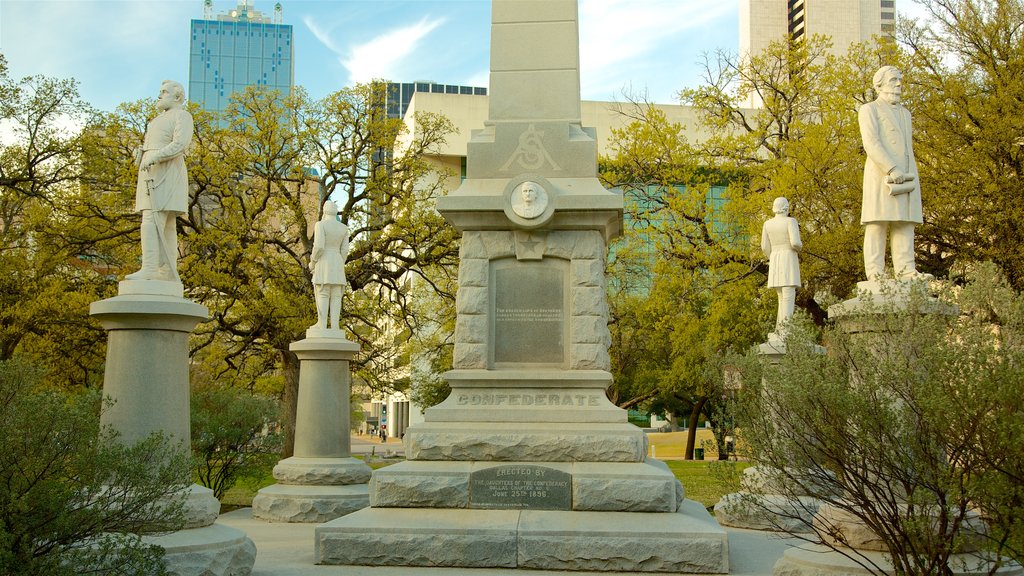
{"points": [[237, 49]]}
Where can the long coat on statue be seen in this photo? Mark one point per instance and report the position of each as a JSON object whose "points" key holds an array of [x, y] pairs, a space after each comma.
{"points": [[167, 137], [780, 240], [330, 248], [886, 132]]}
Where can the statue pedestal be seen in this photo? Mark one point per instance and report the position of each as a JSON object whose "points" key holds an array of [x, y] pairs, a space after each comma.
{"points": [[321, 481], [147, 377]]}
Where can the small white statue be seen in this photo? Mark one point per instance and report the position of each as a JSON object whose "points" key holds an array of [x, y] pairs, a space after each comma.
{"points": [[892, 190], [780, 242], [327, 262], [161, 194]]}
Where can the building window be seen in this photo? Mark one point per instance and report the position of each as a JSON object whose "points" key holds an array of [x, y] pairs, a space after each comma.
{"points": [[888, 16], [888, 3]]}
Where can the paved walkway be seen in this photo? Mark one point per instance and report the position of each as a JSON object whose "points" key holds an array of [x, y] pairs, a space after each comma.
{"points": [[287, 550]]}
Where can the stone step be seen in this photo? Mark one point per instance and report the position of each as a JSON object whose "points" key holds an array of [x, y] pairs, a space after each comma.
{"points": [[526, 442], [624, 487], [687, 541]]}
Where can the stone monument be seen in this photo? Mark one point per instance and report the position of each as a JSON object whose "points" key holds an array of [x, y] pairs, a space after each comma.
{"points": [[761, 504], [527, 464], [322, 480], [146, 374]]}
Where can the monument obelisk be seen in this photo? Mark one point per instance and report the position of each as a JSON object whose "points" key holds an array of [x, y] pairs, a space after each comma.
{"points": [[527, 464]]}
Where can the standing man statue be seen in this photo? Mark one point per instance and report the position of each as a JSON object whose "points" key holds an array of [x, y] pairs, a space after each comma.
{"points": [[330, 250], [162, 190], [892, 189], [780, 242]]}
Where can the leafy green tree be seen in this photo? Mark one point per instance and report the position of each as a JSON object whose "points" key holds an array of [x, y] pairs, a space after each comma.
{"points": [[909, 424], [74, 499], [967, 94], [234, 435], [48, 275]]}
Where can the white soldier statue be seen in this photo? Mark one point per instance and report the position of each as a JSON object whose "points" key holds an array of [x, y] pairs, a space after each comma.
{"points": [[161, 194], [892, 190], [330, 250], [780, 242]]}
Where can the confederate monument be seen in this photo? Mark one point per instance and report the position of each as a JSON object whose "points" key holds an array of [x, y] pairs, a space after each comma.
{"points": [[892, 189], [527, 464], [148, 324]]}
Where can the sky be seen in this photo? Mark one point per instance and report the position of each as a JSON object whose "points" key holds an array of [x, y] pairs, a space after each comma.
{"points": [[120, 50]]}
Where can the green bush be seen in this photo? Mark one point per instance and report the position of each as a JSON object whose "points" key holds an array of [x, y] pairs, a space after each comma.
{"points": [[234, 434], [73, 499]]}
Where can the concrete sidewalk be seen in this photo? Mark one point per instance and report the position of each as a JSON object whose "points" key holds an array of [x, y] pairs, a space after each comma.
{"points": [[288, 550]]}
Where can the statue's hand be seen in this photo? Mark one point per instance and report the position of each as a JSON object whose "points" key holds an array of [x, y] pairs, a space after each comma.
{"points": [[896, 176]]}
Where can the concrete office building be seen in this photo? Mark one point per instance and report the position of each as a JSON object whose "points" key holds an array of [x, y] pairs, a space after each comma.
{"points": [[845, 21], [399, 94], [239, 48]]}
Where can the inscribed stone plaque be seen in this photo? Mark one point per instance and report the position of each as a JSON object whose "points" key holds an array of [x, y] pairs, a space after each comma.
{"points": [[520, 486], [529, 312]]}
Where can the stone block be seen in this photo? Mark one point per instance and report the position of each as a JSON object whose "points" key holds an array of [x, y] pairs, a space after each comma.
{"points": [[590, 357], [517, 442], [689, 541], [471, 300], [588, 272], [421, 485], [641, 487], [468, 356], [498, 244], [420, 537], [561, 244], [201, 507], [214, 549], [590, 330], [292, 503], [589, 244], [472, 246], [589, 301], [473, 272], [322, 471], [471, 329], [766, 512]]}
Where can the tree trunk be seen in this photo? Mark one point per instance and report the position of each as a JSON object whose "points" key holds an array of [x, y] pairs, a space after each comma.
{"points": [[289, 400], [691, 433]]}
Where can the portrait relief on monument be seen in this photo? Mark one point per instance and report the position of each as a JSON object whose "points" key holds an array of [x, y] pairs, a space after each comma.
{"points": [[529, 312], [529, 201]]}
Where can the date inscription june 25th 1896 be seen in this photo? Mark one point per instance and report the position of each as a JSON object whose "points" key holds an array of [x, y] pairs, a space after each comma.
{"points": [[520, 486]]}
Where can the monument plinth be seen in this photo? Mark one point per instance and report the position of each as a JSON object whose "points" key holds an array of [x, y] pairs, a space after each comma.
{"points": [[527, 464], [146, 375], [322, 480]]}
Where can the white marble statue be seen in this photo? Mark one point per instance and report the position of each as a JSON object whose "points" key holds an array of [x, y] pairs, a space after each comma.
{"points": [[780, 242], [162, 190], [892, 190], [330, 249]]}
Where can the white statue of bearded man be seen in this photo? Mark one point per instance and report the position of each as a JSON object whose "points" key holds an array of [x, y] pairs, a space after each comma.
{"points": [[161, 194]]}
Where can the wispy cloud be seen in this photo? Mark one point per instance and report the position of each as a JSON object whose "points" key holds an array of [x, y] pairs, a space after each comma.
{"points": [[383, 55], [617, 35]]}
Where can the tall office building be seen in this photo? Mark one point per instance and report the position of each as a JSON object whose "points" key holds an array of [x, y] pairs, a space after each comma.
{"points": [[845, 21], [239, 48]]}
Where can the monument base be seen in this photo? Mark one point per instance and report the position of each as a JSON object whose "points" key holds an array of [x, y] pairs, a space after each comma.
{"points": [[295, 503], [688, 541], [609, 486], [214, 550], [766, 512], [816, 560]]}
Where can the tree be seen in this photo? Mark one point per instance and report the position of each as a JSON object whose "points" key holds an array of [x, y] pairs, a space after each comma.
{"points": [[48, 275], [909, 424], [968, 104], [684, 282], [73, 498]]}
